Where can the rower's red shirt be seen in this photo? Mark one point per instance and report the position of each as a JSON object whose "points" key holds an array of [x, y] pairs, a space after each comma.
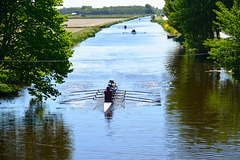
{"points": [[108, 95]]}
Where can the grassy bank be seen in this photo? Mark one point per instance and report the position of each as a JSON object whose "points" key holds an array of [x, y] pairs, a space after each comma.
{"points": [[165, 24], [84, 34]]}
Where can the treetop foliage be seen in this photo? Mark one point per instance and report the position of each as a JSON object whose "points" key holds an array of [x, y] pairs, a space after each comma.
{"points": [[195, 20], [31, 39], [226, 51]]}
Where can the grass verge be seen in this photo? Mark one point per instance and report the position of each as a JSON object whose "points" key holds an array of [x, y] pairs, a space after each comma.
{"points": [[84, 34]]}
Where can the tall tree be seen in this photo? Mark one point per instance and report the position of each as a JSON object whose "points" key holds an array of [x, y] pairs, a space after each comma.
{"points": [[226, 51], [193, 19], [34, 47], [149, 9]]}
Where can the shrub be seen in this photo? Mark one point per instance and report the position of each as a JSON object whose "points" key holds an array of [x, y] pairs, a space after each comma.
{"points": [[9, 90]]}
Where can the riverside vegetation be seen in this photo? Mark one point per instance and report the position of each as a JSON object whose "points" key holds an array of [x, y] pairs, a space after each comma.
{"points": [[200, 22], [165, 24]]}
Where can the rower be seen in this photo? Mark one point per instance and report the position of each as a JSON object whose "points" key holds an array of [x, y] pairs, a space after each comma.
{"points": [[125, 27], [134, 31], [108, 94], [112, 82], [112, 85]]}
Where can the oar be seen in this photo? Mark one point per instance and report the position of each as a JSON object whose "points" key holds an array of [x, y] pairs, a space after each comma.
{"points": [[80, 94], [97, 97], [134, 33], [95, 90], [136, 91], [153, 94], [71, 100], [77, 99], [99, 93], [148, 101], [139, 92], [139, 98], [124, 28]]}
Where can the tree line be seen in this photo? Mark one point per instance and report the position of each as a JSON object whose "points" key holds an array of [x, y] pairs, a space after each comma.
{"points": [[200, 22], [119, 10]]}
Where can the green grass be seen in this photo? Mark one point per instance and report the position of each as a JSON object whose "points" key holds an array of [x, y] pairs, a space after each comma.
{"points": [[84, 34]]}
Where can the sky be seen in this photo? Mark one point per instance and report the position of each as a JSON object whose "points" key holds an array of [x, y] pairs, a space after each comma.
{"points": [[107, 3]]}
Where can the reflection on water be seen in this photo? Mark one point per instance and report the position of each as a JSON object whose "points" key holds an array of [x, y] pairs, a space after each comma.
{"points": [[37, 135], [205, 106]]}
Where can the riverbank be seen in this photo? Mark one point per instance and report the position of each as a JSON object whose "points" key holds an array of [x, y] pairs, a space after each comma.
{"points": [[165, 24]]}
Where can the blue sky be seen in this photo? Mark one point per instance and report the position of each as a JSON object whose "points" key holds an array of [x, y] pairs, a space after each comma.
{"points": [[107, 3]]}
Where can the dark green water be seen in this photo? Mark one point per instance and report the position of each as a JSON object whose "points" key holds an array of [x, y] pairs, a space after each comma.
{"points": [[197, 118]]}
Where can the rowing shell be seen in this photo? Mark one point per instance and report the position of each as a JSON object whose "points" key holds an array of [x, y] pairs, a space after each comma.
{"points": [[107, 107]]}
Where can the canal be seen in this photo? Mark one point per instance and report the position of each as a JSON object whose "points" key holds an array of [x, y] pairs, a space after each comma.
{"points": [[194, 114]]}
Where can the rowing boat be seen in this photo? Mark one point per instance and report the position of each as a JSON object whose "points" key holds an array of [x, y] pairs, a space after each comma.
{"points": [[108, 105]]}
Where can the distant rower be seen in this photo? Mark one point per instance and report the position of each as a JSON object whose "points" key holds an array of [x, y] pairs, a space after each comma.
{"points": [[134, 31]]}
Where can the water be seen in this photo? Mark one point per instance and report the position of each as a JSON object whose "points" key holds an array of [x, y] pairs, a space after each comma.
{"points": [[197, 118]]}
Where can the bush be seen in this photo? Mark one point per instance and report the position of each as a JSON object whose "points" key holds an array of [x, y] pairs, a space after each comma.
{"points": [[9, 90]]}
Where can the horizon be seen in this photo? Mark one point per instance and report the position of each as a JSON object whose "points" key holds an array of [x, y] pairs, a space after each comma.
{"points": [[111, 3]]}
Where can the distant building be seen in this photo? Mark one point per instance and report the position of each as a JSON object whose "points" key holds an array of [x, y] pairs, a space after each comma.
{"points": [[77, 14]]}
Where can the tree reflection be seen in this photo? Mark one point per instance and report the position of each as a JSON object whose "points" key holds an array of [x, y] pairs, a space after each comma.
{"points": [[38, 135], [206, 106]]}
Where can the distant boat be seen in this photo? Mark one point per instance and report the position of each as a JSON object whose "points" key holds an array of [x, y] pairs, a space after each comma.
{"points": [[171, 36], [134, 31]]}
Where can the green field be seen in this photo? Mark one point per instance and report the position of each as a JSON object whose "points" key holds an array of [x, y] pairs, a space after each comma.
{"points": [[104, 16]]}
